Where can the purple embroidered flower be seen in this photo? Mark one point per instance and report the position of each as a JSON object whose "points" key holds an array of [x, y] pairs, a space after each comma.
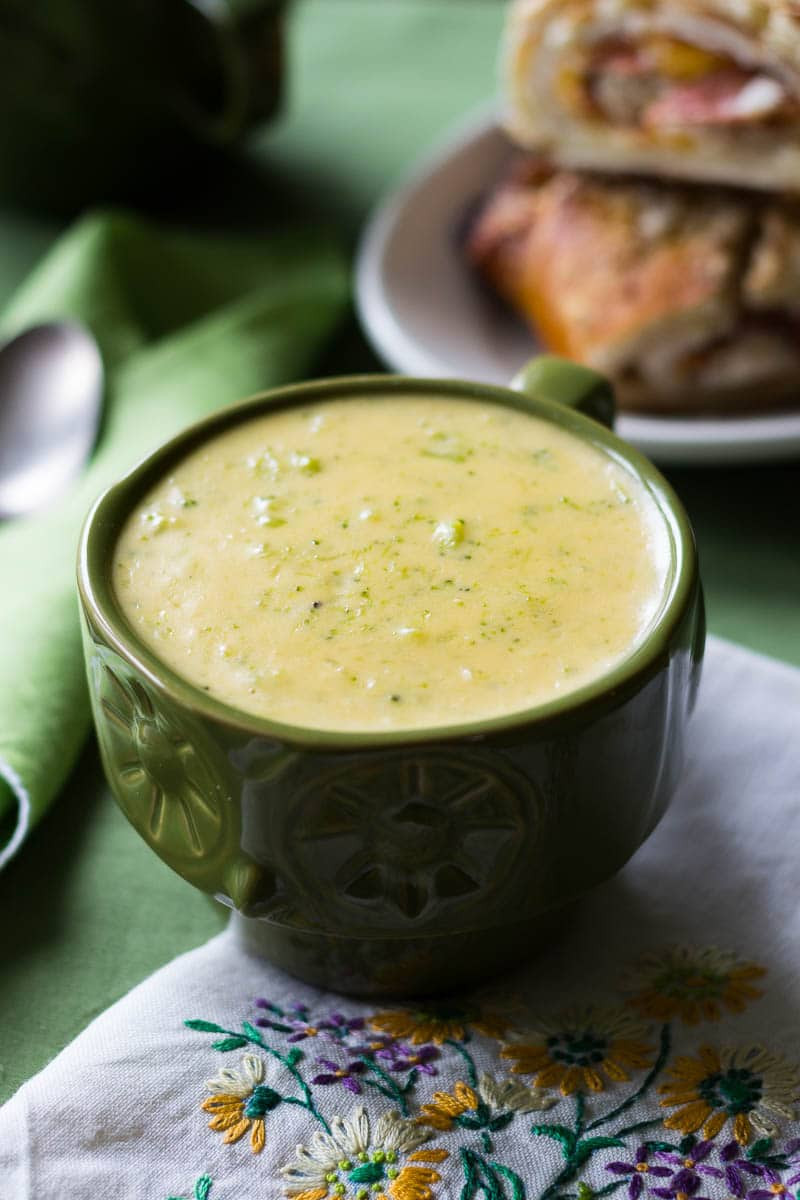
{"points": [[765, 1167], [682, 1185], [295, 1021], [378, 1043], [788, 1159], [339, 1027], [277, 1017], [690, 1163], [792, 1155], [301, 1030], [740, 1171], [637, 1170], [399, 1057], [347, 1075]]}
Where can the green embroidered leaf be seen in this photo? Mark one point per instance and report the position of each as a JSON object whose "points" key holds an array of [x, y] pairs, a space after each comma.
{"points": [[517, 1186], [468, 1166], [500, 1121], [202, 1187], [586, 1149], [661, 1146], [294, 1056], [230, 1043], [252, 1032], [600, 1143], [759, 1148], [559, 1133], [479, 1176], [204, 1026]]}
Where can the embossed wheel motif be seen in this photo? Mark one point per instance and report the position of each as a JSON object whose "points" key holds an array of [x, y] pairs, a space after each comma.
{"points": [[163, 781], [400, 840]]}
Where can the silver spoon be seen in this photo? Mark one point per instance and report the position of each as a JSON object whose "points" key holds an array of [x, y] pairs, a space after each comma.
{"points": [[51, 393]]}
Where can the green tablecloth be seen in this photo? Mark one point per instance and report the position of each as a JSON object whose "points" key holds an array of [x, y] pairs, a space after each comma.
{"points": [[87, 910]]}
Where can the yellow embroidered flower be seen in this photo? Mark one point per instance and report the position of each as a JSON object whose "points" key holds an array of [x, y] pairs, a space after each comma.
{"points": [[446, 1107], [241, 1102], [581, 1048], [492, 1107], [747, 1086], [439, 1023], [695, 985], [358, 1161]]}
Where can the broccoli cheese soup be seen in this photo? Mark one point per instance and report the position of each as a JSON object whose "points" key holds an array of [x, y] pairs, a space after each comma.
{"points": [[392, 563]]}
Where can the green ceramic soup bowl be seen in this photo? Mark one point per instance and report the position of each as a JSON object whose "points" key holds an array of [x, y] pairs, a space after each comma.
{"points": [[475, 837]]}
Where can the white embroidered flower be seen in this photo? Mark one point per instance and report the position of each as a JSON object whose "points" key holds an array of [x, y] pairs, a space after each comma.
{"points": [[238, 1083], [503, 1095], [491, 1107], [240, 1102], [356, 1158]]}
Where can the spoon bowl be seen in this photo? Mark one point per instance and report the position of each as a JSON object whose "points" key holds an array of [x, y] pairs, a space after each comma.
{"points": [[51, 392]]}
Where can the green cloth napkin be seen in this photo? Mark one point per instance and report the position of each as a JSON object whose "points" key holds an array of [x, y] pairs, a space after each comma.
{"points": [[186, 323]]}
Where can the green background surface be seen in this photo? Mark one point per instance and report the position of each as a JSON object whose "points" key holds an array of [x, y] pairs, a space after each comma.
{"points": [[87, 910]]}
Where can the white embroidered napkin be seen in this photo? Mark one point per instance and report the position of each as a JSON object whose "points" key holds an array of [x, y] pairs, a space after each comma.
{"points": [[650, 1052]]}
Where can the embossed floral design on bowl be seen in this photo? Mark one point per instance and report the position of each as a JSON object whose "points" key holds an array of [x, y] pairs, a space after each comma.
{"points": [[407, 837], [166, 785], [170, 783]]}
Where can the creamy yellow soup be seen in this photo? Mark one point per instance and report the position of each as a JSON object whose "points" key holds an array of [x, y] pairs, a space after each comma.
{"points": [[390, 563]]}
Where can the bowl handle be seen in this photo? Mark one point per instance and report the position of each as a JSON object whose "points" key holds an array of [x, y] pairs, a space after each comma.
{"points": [[562, 382]]}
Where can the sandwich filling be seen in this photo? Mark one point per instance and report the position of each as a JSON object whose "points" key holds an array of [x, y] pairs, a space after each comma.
{"points": [[658, 82]]}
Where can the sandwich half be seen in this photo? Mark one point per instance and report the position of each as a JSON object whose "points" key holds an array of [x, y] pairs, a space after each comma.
{"points": [[695, 89], [687, 297]]}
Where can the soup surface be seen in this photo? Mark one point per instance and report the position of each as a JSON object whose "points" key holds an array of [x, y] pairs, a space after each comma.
{"points": [[389, 563]]}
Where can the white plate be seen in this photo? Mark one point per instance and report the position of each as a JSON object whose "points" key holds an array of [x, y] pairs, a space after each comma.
{"points": [[426, 315]]}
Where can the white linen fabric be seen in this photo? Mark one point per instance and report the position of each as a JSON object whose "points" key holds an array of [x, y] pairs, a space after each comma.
{"points": [[650, 1051]]}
